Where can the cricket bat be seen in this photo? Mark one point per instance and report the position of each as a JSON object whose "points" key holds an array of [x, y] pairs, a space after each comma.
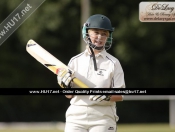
{"points": [[49, 61]]}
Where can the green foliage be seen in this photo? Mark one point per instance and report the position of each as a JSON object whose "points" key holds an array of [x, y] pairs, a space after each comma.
{"points": [[33, 108], [145, 50], [52, 27]]}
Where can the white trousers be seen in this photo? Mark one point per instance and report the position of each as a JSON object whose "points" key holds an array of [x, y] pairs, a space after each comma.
{"points": [[91, 119]]}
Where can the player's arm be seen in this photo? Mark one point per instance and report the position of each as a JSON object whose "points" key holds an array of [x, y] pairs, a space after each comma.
{"points": [[100, 98], [116, 98], [118, 82], [69, 96]]}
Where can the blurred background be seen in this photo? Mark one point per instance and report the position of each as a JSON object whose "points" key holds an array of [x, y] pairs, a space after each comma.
{"points": [[144, 49]]}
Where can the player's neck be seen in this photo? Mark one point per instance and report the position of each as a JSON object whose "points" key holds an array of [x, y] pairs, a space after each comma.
{"points": [[95, 51]]}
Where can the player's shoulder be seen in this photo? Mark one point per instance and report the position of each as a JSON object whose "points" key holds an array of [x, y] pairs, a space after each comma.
{"points": [[77, 56], [112, 58]]}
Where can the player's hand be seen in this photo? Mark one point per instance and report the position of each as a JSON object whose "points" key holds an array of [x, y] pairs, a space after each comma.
{"points": [[99, 98], [64, 78]]}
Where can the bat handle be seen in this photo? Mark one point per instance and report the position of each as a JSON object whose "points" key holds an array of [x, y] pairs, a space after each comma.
{"points": [[79, 83]]}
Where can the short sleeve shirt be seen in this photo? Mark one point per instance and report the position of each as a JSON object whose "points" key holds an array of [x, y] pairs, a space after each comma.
{"points": [[109, 72]]}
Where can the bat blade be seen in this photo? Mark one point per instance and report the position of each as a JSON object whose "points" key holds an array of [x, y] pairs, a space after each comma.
{"points": [[49, 61], [44, 57]]}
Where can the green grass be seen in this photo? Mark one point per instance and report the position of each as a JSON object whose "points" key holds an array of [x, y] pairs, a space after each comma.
{"points": [[145, 128], [121, 128], [17, 130]]}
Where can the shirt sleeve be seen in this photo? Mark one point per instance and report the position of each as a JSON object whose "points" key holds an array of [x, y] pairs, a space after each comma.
{"points": [[118, 77]]}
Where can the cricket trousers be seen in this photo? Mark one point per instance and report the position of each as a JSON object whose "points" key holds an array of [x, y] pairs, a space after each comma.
{"points": [[91, 119]]}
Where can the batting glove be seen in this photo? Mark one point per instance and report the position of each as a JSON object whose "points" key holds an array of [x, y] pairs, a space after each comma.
{"points": [[99, 98], [64, 78]]}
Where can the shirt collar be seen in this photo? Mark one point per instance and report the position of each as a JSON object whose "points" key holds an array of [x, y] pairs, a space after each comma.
{"points": [[102, 53]]}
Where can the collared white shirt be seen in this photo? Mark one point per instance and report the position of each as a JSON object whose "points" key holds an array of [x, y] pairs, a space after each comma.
{"points": [[109, 72]]}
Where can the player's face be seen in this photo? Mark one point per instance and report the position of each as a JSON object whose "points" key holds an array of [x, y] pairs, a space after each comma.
{"points": [[98, 36]]}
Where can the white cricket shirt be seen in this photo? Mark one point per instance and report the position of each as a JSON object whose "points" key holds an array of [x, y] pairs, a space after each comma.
{"points": [[109, 74]]}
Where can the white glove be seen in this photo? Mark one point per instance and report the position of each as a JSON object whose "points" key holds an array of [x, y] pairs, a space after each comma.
{"points": [[64, 78], [99, 98]]}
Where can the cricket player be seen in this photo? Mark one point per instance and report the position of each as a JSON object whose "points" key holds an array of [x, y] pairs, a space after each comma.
{"points": [[98, 69]]}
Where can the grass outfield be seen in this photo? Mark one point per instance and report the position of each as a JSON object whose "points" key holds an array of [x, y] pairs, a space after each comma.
{"points": [[121, 128], [145, 128]]}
